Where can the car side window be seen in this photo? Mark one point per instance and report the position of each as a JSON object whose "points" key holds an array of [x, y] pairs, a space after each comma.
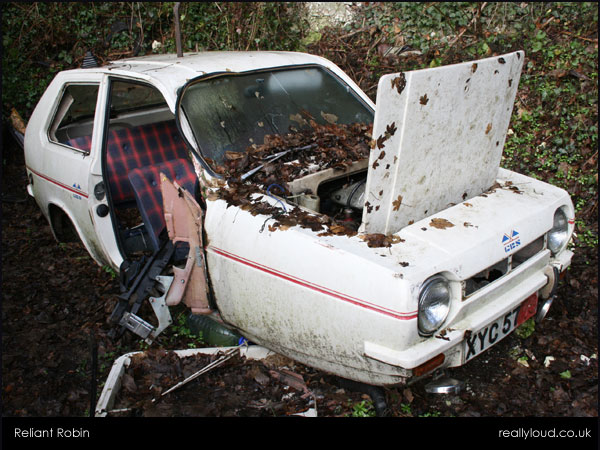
{"points": [[73, 121]]}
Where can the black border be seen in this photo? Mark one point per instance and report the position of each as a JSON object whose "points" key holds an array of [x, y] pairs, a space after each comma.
{"points": [[431, 432]]}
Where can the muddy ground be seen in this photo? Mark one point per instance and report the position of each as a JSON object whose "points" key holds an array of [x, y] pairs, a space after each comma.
{"points": [[56, 302]]}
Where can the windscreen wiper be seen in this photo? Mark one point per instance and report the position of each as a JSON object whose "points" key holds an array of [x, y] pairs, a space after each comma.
{"points": [[274, 157]]}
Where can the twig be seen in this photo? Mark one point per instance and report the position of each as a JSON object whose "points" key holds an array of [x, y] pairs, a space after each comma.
{"points": [[546, 23], [352, 33], [579, 37], [373, 46], [473, 20]]}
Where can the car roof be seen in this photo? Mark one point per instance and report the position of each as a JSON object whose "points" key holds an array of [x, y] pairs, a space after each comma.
{"points": [[170, 72]]}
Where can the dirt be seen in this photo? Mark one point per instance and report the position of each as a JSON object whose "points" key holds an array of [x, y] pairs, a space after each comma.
{"points": [[56, 302], [162, 384]]}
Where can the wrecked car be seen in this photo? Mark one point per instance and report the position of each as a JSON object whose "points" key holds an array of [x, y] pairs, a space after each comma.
{"points": [[379, 242]]}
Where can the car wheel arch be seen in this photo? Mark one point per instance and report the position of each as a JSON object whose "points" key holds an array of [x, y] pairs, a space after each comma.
{"points": [[62, 226]]}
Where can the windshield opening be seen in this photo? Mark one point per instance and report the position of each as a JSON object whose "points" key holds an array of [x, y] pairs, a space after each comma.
{"points": [[233, 112]]}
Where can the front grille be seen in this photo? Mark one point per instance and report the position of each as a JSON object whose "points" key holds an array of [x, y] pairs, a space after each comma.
{"points": [[501, 268]]}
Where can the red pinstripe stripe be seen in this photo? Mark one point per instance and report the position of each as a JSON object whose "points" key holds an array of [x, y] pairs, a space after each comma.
{"points": [[58, 183], [315, 287]]}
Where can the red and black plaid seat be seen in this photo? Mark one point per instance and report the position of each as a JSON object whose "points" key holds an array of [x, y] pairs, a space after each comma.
{"points": [[82, 143], [145, 182], [142, 146]]}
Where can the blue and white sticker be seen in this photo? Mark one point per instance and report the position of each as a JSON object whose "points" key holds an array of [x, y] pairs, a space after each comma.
{"points": [[511, 241], [78, 187]]}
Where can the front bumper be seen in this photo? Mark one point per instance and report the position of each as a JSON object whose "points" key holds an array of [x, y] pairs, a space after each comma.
{"points": [[475, 312]]}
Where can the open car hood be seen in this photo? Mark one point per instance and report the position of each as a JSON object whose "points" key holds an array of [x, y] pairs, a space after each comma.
{"points": [[438, 138]]}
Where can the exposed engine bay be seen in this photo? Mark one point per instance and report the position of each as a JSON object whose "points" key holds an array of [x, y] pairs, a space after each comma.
{"points": [[322, 169]]}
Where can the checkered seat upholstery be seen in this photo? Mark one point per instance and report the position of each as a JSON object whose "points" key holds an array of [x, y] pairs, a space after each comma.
{"points": [[145, 183], [82, 143], [137, 147]]}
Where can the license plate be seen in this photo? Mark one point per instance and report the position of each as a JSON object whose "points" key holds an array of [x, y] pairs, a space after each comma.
{"points": [[478, 341]]}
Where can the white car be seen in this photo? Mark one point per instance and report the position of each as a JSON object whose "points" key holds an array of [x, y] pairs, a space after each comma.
{"points": [[417, 256]]}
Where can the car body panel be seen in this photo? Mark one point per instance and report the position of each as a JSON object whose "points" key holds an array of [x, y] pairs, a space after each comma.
{"points": [[432, 127]]}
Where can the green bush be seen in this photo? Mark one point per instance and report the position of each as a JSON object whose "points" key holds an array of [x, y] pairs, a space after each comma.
{"points": [[40, 39]]}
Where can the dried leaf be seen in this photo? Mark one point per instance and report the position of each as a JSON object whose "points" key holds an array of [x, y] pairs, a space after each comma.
{"points": [[442, 224], [399, 83], [396, 203]]}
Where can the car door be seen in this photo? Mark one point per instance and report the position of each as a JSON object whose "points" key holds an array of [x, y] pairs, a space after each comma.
{"points": [[70, 143]]}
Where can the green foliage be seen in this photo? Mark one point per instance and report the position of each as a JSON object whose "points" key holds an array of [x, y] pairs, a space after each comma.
{"points": [[566, 374], [42, 38], [526, 329], [363, 409], [179, 331], [109, 270]]}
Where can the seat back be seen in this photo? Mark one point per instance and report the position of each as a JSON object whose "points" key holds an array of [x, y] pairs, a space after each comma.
{"points": [[137, 147], [145, 183]]}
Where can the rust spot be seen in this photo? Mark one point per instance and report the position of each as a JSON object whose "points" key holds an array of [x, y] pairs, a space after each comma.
{"points": [[510, 82], [464, 196], [441, 224], [496, 72], [468, 224], [381, 193], [395, 159], [468, 205], [377, 208], [397, 203], [424, 229], [382, 154], [423, 99], [474, 68], [403, 264], [375, 164], [399, 83], [501, 60], [488, 129], [369, 207], [410, 222], [387, 166]]}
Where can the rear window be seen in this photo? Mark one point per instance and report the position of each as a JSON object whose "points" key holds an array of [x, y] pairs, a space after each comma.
{"points": [[126, 97], [74, 118]]}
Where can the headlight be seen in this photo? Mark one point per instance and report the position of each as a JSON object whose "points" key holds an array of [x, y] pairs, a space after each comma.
{"points": [[434, 304], [559, 234]]}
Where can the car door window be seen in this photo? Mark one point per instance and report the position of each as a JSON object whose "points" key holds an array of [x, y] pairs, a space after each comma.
{"points": [[73, 121]]}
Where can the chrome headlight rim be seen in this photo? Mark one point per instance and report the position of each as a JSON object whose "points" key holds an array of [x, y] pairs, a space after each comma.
{"points": [[426, 327], [559, 235]]}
